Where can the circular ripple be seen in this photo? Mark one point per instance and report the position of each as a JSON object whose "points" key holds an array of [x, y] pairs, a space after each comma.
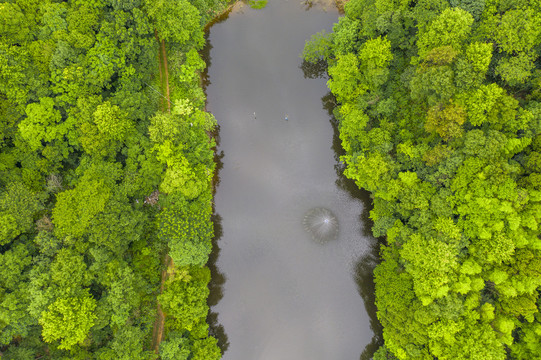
{"points": [[321, 224]]}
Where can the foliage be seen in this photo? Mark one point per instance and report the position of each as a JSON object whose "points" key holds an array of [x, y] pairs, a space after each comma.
{"points": [[318, 47], [18, 208], [76, 208], [177, 21], [188, 231], [84, 150], [184, 297], [436, 118], [184, 302], [257, 4], [176, 347], [69, 320]]}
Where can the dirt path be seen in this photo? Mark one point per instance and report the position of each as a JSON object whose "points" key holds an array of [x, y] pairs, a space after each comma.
{"points": [[157, 332], [166, 72]]}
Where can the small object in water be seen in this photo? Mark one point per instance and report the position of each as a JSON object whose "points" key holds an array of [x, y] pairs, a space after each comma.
{"points": [[286, 118], [255, 117], [321, 223]]}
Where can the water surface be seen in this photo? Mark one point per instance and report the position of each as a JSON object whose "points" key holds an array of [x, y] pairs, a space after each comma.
{"points": [[276, 293]]}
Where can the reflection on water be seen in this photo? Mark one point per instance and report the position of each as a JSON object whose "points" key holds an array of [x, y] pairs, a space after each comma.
{"points": [[364, 276], [364, 269], [314, 71], [216, 287], [275, 293]]}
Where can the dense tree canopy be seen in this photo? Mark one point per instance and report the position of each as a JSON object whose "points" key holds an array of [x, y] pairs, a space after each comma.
{"points": [[98, 182], [439, 116]]}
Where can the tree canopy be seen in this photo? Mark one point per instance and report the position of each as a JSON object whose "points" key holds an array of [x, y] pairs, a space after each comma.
{"points": [[99, 182], [439, 117]]}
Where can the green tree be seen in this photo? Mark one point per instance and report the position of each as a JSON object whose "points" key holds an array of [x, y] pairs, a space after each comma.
{"points": [[188, 231], [122, 297], [431, 264], [184, 297], [18, 208], [344, 78], [111, 122], [175, 347], [14, 319], [517, 69], [68, 320], [13, 25], [446, 122], [206, 349], [76, 208], [445, 139], [117, 226], [517, 30], [346, 35], [452, 27], [374, 58], [42, 124], [68, 271], [127, 344], [181, 176], [177, 21], [317, 48]]}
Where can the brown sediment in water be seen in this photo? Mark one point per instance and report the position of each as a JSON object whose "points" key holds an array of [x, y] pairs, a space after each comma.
{"points": [[325, 4], [222, 15], [340, 5]]}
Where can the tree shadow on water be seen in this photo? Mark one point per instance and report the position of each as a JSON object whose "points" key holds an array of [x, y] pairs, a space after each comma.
{"points": [[205, 55], [314, 70], [364, 270], [216, 287], [364, 277], [217, 279], [364, 267]]}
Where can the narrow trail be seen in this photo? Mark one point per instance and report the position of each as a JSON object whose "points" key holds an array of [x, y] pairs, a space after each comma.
{"points": [[157, 332], [166, 73]]}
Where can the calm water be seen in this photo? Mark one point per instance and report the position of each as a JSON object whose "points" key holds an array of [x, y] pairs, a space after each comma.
{"points": [[277, 294]]}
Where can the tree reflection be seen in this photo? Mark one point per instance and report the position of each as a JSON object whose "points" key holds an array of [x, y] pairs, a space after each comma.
{"points": [[217, 278], [364, 268], [314, 71]]}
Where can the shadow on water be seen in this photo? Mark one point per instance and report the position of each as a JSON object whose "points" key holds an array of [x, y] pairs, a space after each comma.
{"points": [[364, 268], [314, 71], [205, 55], [364, 276], [217, 278], [216, 287]]}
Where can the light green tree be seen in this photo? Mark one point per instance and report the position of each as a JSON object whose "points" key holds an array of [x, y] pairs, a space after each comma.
{"points": [[68, 320], [452, 27], [177, 21]]}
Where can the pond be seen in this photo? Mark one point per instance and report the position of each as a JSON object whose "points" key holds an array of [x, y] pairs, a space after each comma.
{"points": [[280, 292]]}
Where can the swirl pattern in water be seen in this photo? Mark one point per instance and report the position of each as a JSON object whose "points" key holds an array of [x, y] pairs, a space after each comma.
{"points": [[321, 223]]}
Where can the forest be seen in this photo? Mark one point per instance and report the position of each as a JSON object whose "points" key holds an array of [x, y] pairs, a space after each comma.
{"points": [[106, 169], [439, 110]]}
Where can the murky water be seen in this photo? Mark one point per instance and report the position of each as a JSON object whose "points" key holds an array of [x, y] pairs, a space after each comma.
{"points": [[277, 294]]}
